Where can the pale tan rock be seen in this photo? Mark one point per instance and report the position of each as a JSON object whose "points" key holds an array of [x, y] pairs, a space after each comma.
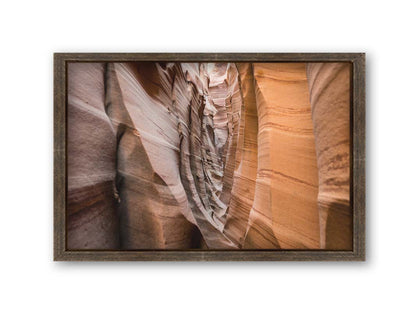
{"points": [[285, 210], [150, 213], [329, 85], [169, 108]]}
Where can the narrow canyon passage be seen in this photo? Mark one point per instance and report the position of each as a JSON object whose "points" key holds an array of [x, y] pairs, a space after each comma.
{"points": [[208, 155]]}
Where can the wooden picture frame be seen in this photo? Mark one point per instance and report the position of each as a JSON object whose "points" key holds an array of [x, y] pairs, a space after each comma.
{"points": [[357, 161]]}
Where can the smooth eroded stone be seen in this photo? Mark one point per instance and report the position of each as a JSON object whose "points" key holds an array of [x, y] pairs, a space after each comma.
{"points": [[285, 210], [244, 182], [151, 214], [92, 221], [329, 85]]}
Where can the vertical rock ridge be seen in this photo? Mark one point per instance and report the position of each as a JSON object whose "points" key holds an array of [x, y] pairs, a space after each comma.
{"points": [[149, 213], [244, 185], [329, 85], [287, 179], [92, 221]]}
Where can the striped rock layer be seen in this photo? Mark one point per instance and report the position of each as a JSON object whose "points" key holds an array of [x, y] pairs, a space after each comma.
{"points": [[208, 155]]}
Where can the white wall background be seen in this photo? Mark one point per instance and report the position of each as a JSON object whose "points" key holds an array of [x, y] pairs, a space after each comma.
{"points": [[32, 30]]}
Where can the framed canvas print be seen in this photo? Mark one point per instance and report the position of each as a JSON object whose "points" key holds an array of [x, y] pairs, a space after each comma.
{"points": [[209, 156]]}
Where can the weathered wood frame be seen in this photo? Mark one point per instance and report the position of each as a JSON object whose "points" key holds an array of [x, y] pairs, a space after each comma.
{"points": [[357, 119]]}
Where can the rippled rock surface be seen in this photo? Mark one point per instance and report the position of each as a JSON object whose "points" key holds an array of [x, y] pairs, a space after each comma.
{"points": [[208, 155]]}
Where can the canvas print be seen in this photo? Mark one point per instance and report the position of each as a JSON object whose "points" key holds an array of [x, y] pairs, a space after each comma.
{"points": [[211, 156]]}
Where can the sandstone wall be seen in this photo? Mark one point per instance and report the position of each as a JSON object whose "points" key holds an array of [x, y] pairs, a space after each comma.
{"points": [[91, 202], [285, 210], [329, 86], [208, 155]]}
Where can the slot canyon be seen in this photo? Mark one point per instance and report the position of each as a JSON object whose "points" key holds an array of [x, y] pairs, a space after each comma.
{"points": [[208, 156]]}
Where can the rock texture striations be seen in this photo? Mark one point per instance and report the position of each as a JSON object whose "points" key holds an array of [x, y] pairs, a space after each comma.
{"points": [[208, 155], [329, 87], [285, 210]]}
